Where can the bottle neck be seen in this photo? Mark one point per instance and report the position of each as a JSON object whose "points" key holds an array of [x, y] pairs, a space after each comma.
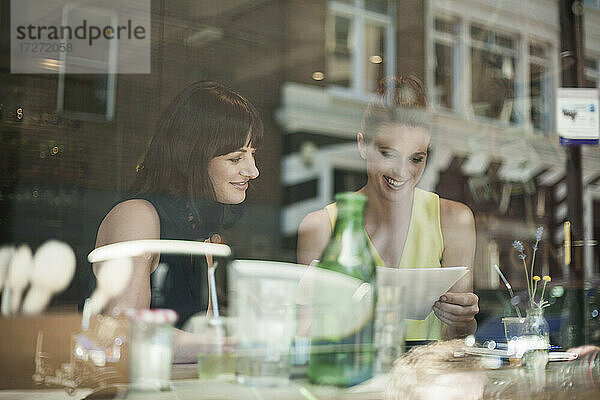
{"points": [[350, 216]]}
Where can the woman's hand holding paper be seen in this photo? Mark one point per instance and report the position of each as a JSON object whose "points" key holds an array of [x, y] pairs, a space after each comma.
{"points": [[457, 309]]}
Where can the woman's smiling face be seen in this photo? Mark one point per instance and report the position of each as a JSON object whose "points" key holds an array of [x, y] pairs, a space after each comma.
{"points": [[231, 173], [396, 158]]}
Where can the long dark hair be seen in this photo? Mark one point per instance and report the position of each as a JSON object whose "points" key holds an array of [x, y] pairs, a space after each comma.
{"points": [[398, 99], [206, 120]]}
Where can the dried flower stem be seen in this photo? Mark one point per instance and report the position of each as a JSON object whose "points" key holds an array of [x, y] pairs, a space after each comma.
{"points": [[532, 264], [529, 291], [543, 290]]}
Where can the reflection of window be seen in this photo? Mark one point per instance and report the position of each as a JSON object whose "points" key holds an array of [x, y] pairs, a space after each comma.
{"points": [[493, 57], [348, 180], [592, 3], [359, 43], [373, 64], [340, 58], [86, 81], [444, 73], [592, 74], [539, 87], [85, 93]]}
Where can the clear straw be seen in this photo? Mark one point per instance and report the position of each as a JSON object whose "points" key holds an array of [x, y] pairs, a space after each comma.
{"points": [[510, 291], [213, 289]]}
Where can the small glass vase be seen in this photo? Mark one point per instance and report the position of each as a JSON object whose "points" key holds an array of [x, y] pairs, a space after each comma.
{"points": [[535, 340]]}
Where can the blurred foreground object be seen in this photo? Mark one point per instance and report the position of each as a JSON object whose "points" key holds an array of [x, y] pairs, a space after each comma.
{"points": [[49, 351], [346, 360], [437, 371], [113, 277], [151, 349], [53, 268], [449, 370], [17, 279]]}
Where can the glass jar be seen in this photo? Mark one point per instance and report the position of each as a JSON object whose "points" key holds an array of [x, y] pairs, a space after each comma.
{"points": [[150, 351], [534, 343]]}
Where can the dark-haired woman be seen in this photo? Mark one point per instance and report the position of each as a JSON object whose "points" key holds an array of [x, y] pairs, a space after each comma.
{"points": [[406, 226], [196, 170]]}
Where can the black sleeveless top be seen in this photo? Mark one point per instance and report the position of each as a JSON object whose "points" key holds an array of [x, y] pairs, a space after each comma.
{"points": [[180, 282]]}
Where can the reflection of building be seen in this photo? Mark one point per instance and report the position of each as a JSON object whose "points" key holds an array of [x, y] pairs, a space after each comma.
{"points": [[490, 70]]}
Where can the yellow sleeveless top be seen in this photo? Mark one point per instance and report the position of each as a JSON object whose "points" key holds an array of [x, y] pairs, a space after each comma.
{"points": [[423, 249]]}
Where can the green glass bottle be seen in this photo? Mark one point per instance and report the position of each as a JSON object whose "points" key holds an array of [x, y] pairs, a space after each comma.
{"points": [[347, 359]]}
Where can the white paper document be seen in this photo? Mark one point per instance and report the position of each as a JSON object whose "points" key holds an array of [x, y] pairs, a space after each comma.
{"points": [[424, 286]]}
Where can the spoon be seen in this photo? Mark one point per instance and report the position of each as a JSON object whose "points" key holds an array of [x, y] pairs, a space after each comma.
{"points": [[18, 275], [112, 278], [52, 271]]}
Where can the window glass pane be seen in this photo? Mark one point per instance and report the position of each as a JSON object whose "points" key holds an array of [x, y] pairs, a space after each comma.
{"points": [[86, 93], [443, 75], [346, 181], [505, 41], [479, 34], [590, 82], [539, 93], [341, 48], [379, 6], [349, 2], [375, 62], [444, 25], [537, 50], [591, 63], [493, 85]]}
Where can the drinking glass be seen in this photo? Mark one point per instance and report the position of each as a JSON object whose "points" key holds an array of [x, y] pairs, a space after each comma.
{"points": [[217, 356], [151, 352], [390, 326], [266, 312]]}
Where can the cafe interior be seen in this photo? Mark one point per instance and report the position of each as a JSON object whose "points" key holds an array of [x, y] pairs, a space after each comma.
{"points": [[299, 199]]}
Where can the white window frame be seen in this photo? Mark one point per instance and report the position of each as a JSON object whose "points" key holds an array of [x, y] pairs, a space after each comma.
{"points": [[360, 16]]}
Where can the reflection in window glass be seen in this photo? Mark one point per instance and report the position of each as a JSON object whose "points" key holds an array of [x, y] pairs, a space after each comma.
{"points": [[375, 63], [341, 50], [442, 25], [479, 34], [378, 6], [443, 75], [537, 50], [538, 87], [504, 41], [591, 73], [348, 180], [592, 3], [86, 93], [590, 82], [591, 63], [493, 84]]}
